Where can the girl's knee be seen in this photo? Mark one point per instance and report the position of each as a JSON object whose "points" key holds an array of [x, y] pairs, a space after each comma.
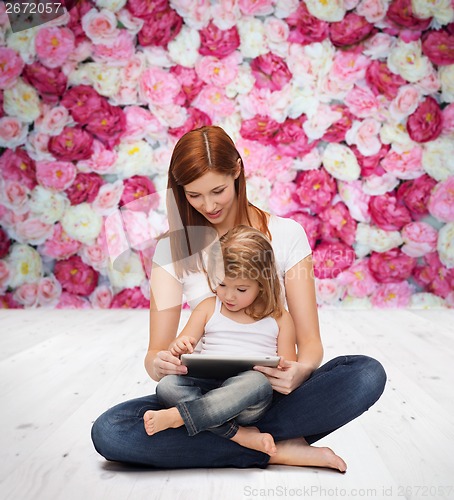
{"points": [[259, 381], [166, 386]]}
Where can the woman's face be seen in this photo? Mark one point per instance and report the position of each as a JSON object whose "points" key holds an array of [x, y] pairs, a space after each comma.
{"points": [[213, 195]]}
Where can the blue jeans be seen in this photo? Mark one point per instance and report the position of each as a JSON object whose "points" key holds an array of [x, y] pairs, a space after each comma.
{"points": [[336, 393], [219, 406]]}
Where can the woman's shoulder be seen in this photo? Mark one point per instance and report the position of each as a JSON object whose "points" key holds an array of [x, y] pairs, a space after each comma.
{"points": [[280, 226]]}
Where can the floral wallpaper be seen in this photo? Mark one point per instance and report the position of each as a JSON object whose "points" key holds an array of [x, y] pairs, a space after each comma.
{"points": [[343, 112]]}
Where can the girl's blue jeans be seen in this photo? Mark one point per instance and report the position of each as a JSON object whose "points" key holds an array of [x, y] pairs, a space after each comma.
{"points": [[336, 393], [219, 406]]}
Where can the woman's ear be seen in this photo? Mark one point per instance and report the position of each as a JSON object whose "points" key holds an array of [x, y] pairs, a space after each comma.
{"points": [[238, 171]]}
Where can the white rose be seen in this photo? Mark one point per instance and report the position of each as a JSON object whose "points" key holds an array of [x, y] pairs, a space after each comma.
{"points": [[24, 264], [54, 121], [134, 158], [252, 37], [310, 161], [80, 75], [277, 32], [340, 161], [438, 158], [104, 77], [48, 205], [302, 101], [283, 8], [326, 10], [131, 23], [169, 115], [406, 60], [36, 146], [22, 101], [161, 161], [378, 46], [320, 121], [23, 42], [184, 48], [112, 5], [100, 26], [441, 10], [369, 238], [127, 271], [82, 223], [328, 291], [242, 84], [196, 15], [445, 245], [259, 191], [108, 197], [426, 301], [396, 134], [12, 132], [446, 74], [155, 56], [376, 185], [232, 126]]}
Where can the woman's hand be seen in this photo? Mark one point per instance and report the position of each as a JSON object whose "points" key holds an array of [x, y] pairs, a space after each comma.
{"points": [[287, 376], [165, 363]]}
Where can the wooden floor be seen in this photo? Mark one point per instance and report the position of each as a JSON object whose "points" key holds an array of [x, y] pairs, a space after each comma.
{"points": [[60, 369]]}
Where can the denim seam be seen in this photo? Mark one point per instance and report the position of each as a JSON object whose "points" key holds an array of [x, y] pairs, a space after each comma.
{"points": [[187, 419]]}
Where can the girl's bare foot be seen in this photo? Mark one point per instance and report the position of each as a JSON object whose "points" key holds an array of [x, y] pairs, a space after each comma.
{"points": [[160, 420], [251, 437], [298, 452]]}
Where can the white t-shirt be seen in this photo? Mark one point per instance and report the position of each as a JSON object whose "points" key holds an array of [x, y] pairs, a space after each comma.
{"points": [[289, 242]]}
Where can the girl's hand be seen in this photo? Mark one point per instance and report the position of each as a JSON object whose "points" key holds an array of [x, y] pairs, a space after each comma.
{"points": [[287, 376], [165, 363], [182, 345]]}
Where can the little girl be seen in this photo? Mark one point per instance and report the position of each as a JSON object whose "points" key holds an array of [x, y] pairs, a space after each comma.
{"points": [[247, 316]]}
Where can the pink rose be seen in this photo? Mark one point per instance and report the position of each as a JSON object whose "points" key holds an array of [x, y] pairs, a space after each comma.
{"points": [[76, 12], [405, 102], [71, 301], [392, 295], [305, 28], [400, 13], [362, 102], [392, 266], [420, 239], [219, 72], [415, 195], [365, 136], [351, 30], [100, 26], [137, 228], [281, 200], [49, 291], [138, 194], [448, 119], [107, 123], [82, 101], [260, 128], [310, 224], [11, 66], [256, 8], [217, 42], [214, 102], [146, 8], [73, 143], [12, 132], [191, 84], [108, 197], [441, 201], [337, 131], [330, 259], [130, 298], [433, 276], [291, 140], [438, 46], [101, 161], [196, 119], [141, 123], [18, 166], [358, 279], [49, 82], [425, 123], [15, 196], [102, 297], [378, 45], [33, 231], [5, 276], [55, 175], [314, 190], [120, 50], [75, 276], [382, 81], [60, 245], [7, 302], [4, 243], [388, 213], [85, 188], [405, 165], [2, 111], [157, 86], [27, 294], [160, 28], [337, 224], [53, 45], [270, 72], [371, 165], [96, 255], [373, 10], [349, 66]]}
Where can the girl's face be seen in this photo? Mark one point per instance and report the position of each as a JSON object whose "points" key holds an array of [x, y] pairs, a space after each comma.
{"points": [[213, 195], [237, 293]]}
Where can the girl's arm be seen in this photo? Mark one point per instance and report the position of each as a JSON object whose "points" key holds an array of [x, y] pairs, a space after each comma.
{"points": [[166, 296]]}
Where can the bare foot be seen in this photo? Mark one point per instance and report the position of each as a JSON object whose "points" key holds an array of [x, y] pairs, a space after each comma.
{"points": [[251, 437], [298, 452], [160, 420]]}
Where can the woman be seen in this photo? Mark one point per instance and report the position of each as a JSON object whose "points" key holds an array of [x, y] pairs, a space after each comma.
{"points": [[206, 178]]}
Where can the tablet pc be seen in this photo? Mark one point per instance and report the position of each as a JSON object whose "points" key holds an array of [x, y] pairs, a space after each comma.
{"points": [[223, 366]]}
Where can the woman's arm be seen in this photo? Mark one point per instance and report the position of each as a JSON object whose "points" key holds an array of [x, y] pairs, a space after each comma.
{"points": [[286, 340], [166, 296]]}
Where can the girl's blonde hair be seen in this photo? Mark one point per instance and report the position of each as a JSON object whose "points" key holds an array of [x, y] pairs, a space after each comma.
{"points": [[244, 252], [206, 149]]}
